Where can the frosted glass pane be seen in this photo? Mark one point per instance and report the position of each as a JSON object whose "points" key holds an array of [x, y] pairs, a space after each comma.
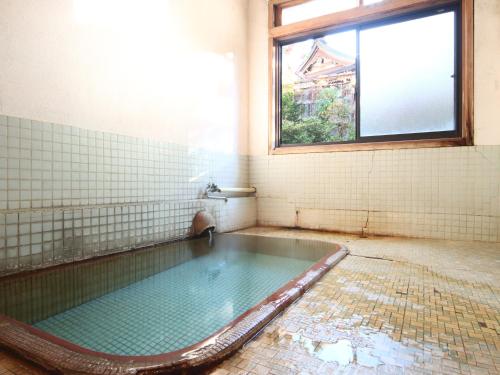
{"points": [[406, 77], [315, 8]]}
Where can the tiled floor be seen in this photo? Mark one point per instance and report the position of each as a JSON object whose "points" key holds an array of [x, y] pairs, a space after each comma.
{"points": [[393, 306]]}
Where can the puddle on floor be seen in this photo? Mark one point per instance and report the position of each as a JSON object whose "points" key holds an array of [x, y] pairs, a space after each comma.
{"points": [[360, 347], [341, 352]]}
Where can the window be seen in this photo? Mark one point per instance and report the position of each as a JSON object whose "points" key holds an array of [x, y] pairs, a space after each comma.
{"points": [[408, 77], [370, 75], [314, 8]]}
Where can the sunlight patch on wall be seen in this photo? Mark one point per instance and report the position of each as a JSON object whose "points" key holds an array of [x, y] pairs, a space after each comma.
{"points": [[125, 14], [147, 63], [217, 101]]}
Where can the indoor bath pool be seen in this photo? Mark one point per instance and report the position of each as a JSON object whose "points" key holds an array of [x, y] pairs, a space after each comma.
{"points": [[183, 305]]}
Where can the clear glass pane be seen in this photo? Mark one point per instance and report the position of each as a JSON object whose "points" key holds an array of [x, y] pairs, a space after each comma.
{"points": [[315, 8], [406, 77], [317, 93]]}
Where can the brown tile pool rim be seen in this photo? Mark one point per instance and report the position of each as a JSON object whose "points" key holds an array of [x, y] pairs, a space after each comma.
{"points": [[61, 356]]}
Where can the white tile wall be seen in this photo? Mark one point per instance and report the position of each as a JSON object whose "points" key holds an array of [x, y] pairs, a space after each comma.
{"points": [[68, 193], [445, 193]]}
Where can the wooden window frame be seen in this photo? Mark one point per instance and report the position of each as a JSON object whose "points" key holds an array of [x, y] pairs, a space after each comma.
{"points": [[363, 14]]}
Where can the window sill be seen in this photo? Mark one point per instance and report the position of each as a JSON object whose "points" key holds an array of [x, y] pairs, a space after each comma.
{"points": [[392, 145]]}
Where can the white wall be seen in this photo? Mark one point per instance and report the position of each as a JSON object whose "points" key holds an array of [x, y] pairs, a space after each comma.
{"points": [[195, 73], [117, 113], [487, 74], [257, 77], [446, 193], [173, 70]]}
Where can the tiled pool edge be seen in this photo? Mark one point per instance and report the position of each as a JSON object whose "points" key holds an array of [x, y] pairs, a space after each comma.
{"points": [[60, 355]]}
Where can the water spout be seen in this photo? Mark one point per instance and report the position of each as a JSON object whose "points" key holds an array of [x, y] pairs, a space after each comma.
{"points": [[202, 222], [210, 237]]}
